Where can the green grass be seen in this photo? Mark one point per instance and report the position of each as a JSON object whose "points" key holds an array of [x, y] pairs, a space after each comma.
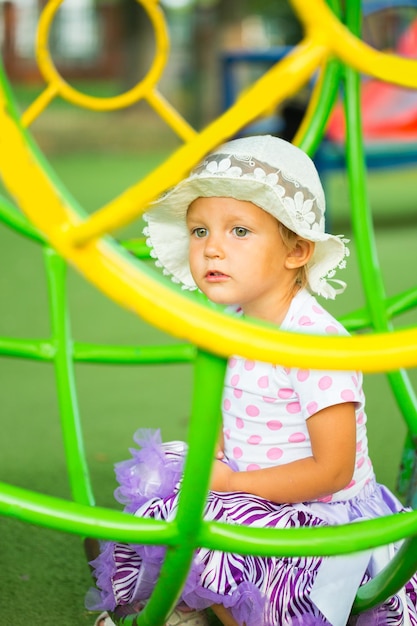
{"points": [[44, 574]]}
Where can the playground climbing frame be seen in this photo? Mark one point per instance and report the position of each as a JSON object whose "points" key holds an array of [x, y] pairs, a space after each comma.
{"points": [[68, 234]]}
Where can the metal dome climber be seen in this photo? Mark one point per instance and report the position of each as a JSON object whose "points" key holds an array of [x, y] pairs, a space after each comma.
{"points": [[69, 234]]}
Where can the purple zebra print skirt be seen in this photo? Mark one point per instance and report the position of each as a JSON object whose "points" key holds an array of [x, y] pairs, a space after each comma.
{"points": [[258, 591]]}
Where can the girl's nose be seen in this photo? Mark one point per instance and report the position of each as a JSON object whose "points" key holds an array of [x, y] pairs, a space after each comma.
{"points": [[214, 247]]}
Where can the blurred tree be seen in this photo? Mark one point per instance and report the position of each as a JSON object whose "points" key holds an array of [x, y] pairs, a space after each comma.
{"points": [[220, 24], [138, 43]]}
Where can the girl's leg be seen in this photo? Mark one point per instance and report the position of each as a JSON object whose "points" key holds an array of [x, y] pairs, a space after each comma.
{"points": [[224, 615]]}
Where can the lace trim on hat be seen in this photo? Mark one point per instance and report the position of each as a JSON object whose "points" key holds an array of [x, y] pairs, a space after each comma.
{"points": [[297, 199], [327, 286]]}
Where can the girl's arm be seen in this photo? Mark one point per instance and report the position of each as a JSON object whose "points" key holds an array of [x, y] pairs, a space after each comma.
{"points": [[330, 467], [220, 446]]}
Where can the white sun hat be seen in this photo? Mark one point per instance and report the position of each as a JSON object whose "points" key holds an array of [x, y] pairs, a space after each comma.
{"points": [[273, 174]]}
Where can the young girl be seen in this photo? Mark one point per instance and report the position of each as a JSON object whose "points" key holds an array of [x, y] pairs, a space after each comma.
{"points": [[246, 227]]}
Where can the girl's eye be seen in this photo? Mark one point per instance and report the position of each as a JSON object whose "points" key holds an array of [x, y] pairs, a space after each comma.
{"points": [[200, 232], [240, 231]]}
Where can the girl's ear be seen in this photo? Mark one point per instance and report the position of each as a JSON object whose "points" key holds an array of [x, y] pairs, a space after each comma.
{"points": [[300, 254]]}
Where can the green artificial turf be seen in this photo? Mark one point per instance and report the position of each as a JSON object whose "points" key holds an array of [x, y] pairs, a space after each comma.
{"points": [[43, 573]]}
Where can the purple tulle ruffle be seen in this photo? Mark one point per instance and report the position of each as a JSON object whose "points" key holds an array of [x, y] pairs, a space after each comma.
{"points": [[154, 470], [104, 568], [149, 487]]}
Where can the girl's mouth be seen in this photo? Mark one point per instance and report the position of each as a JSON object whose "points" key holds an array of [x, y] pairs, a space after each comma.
{"points": [[215, 276]]}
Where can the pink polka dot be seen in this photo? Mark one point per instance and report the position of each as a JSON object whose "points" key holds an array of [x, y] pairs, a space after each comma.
{"points": [[226, 433], [274, 425], [227, 404], [305, 321], [302, 375], [359, 446], [293, 407], [274, 454], [351, 484], [239, 423], [332, 330], [347, 395], [312, 408], [297, 438], [249, 365], [234, 380], [268, 399], [360, 418], [325, 383], [252, 410], [325, 499], [232, 362], [360, 462], [263, 382], [317, 309], [254, 440], [252, 466], [237, 393], [284, 394], [237, 452], [355, 381]]}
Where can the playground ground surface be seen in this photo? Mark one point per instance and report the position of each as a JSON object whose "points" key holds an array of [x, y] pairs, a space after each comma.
{"points": [[43, 573]]}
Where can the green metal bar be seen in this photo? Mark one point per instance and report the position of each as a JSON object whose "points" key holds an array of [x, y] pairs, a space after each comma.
{"points": [[43, 350], [329, 86], [67, 397], [129, 355], [36, 349], [361, 213], [107, 524], [304, 541], [80, 519], [394, 305], [326, 98], [137, 247], [392, 578], [203, 436], [402, 302], [16, 220], [364, 233], [405, 475]]}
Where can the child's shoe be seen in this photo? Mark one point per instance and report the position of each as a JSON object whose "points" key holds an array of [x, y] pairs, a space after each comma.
{"points": [[177, 618], [189, 617]]}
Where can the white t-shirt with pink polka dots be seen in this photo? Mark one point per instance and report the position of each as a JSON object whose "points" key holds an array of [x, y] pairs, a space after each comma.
{"points": [[266, 407]]}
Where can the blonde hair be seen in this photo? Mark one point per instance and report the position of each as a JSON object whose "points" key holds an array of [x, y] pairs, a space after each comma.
{"points": [[289, 237]]}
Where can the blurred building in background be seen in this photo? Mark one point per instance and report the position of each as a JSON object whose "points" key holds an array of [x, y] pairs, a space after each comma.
{"points": [[83, 40], [113, 40]]}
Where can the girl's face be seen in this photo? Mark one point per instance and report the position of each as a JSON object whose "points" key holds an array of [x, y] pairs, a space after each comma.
{"points": [[237, 257]]}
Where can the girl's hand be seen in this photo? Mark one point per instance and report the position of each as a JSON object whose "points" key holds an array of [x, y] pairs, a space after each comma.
{"points": [[220, 476], [329, 468]]}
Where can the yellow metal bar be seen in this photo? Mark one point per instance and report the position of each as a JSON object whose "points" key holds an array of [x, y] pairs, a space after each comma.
{"points": [[167, 112], [56, 82], [131, 286], [284, 79], [319, 20], [39, 105]]}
